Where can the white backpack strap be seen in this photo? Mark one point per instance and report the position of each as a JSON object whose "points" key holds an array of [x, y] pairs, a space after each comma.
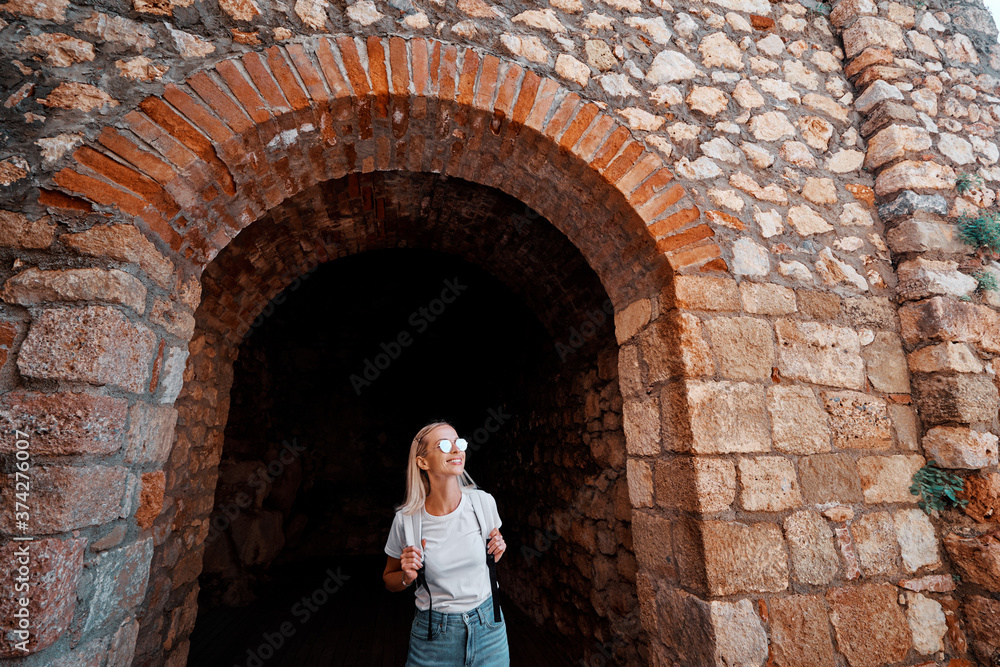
{"points": [[477, 504], [411, 529]]}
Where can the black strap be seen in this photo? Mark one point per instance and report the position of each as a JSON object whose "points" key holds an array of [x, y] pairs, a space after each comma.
{"points": [[422, 581], [491, 564]]}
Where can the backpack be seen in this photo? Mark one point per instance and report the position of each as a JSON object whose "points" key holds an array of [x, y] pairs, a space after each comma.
{"points": [[412, 533]]}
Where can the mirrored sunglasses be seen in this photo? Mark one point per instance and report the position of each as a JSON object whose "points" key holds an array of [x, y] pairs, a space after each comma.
{"points": [[445, 445]]}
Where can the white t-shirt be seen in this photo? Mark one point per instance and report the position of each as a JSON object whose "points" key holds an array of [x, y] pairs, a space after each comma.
{"points": [[455, 556]]}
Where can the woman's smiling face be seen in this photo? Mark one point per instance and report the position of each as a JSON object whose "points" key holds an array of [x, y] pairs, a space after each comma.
{"points": [[442, 463]]}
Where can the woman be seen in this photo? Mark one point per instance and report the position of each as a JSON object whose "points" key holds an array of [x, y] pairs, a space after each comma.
{"points": [[455, 623]]}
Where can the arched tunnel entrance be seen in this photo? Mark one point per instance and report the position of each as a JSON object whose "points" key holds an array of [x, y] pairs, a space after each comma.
{"points": [[448, 300]]}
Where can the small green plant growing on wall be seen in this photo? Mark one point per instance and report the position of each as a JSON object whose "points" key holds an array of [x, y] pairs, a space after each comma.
{"points": [[967, 182], [937, 488], [981, 231], [987, 282]]}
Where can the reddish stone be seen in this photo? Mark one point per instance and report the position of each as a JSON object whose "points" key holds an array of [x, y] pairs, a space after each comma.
{"points": [[150, 498], [983, 493], [761, 22], [54, 570], [871, 629], [63, 423], [65, 498], [978, 558], [861, 193], [870, 56], [95, 344], [982, 617]]}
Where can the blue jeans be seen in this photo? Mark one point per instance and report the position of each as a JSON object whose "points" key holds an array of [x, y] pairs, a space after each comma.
{"points": [[462, 639]]}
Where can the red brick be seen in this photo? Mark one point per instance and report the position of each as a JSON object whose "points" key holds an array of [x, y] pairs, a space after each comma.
{"points": [[283, 74], [637, 174], [655, 207], [127, 178], [308, 72], [260, 74], [400, 70], [674, 222], [418, 55], [328, 64], [221, 103], [251, 101], [508, 89], [379, 75], [526, 97], [487, 83], [467, 80], [98, 191], [576, 128], [448, 71], [610, 148], [434, 69], [594, 136], [544, 99], [620, 166], [684, 238], [161, 228], [352, 65], [693, 256], [199, 115], [651, 186], [717, 264], [567, 108], [56, 199], [175, 152]]}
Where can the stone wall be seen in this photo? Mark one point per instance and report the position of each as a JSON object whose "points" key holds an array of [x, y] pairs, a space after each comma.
{"points": [[768, 195]]}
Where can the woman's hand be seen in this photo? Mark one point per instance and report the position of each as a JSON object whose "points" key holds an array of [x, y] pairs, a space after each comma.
{"points": [[412, 559], [497, 546]]}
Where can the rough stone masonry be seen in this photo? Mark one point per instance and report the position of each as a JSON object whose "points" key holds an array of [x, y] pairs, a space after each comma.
{"points": [[770, 193]]}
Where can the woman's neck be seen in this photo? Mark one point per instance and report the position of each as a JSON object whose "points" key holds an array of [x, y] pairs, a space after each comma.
{"points": [[444, 497]]}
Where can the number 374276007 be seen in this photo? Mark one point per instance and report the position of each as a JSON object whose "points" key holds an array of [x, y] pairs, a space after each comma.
{"points": [[22, 481]]}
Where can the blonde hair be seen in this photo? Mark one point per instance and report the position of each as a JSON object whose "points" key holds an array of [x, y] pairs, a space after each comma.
{"points": [[418, 484]]}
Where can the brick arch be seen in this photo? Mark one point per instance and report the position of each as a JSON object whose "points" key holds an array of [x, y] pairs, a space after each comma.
{"points": [[200, 163]]}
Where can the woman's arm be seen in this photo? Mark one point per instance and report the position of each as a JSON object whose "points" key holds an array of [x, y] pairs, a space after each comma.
{"points": [[407, 566]]}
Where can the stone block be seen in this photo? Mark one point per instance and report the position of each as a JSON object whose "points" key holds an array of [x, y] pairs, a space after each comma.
{"points": [[54, 572], [703, 293], [800, 632], [744, 347], [810, 544], [846, 11], [945, 357], [925, 236], [769, 484], [17, 231], [894, 142], [909, 202], [820, 354], [742, 558], [122, 647], [977, 558], [150, 499], [63, 423], [674, 347], [870, 627], [875, 544], [921, 278], [767, 299], [172, 374], [982, 618], [642, 426], [66, 498], [858, 421], [35, 287], [696, 484], [632, 319], [886, 479], [119, 583], [95, 344], [686, 625], [727, 417], [124, 243], [983, 493], [957, 447], [652, 537], [871, 312], [829, 478], [740, 638], [943, 319], [904, 421], [886, 364], [963, 398], [798, 424], [927, 623], [640, 483], [150, 433], [910, 174], [917, 540]]}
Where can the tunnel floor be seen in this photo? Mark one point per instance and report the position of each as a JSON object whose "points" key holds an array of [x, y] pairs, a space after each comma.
{"points": [[359, 623]]}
